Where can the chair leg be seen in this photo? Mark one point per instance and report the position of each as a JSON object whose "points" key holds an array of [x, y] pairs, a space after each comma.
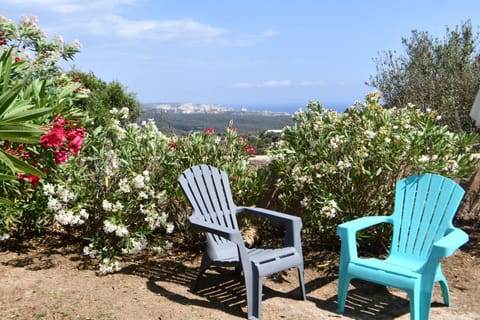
{"points": [[301, 282], [420, 302], [343, 284], [203, 266], [445, 291], [255, 305], [414, 298]]}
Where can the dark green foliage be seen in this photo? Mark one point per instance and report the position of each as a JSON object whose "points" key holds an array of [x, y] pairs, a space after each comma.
{"points": [[178, 123], [104, 96], [442, 75]]}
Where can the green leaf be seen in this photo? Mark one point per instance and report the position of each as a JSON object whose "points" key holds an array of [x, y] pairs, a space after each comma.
{"points": [[8, 97], [19, 165], [21, 133], [26, 114], [6, 69], [6, 177]]}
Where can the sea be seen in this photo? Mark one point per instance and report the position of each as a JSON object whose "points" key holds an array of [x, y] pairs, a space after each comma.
{"points": [[289, 108]]}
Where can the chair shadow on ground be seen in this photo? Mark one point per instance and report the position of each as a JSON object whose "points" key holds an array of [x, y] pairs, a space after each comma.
{"points": [[366, 301], [221, 288]]}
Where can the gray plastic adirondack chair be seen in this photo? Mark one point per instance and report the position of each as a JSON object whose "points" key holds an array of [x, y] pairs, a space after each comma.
{"points": [[208, 191], [423, 234]]}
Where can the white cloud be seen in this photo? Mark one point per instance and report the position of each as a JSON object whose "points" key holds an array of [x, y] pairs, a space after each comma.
{"points": [[276, 83], [72, 6], [163, 30], [106, 19], [244, 85]]}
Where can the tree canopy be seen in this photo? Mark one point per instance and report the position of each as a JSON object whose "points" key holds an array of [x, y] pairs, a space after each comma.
{"points": [[104, 96], [433, 73]]}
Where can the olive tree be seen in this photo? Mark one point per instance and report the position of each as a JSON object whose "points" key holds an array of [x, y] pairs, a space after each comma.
{"points": [[437, 74]]}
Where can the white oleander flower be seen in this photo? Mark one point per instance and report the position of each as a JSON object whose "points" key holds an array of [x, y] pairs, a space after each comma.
{"points": [[142, 195], [424, 159], [53, 204], [118, 206], [109, 266], [138, 244], [109, 227], [106, 205], [124, 186], [169, 228], [89, 251], [121, 231], [138, 182], [48, 189], [4, 236]]}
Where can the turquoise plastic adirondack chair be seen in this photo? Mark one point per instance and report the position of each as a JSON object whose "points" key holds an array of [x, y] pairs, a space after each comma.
{"points": [[208, 191], [423, 234]]}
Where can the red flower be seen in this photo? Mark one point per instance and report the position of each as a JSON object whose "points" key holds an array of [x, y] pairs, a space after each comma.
{"points": [[172, 144], [75, 144], [53, 138], [209, 130], [59, 122], [60, 156], [20, 152], [64, 137], [17, 60], [3, 40], [76, 137], [34, 180], [251, 149]]}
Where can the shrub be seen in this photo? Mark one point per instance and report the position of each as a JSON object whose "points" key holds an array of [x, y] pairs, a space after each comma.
{"points": [[122, 194], [229, 152], [339, 166], [33, 91]]}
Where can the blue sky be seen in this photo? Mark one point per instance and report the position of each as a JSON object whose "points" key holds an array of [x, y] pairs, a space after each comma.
{"points": [[240, 52]]}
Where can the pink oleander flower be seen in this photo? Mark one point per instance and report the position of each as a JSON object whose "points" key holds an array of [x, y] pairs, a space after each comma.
{"points": [[251, 149], [54, 138], [61, 156], [76, 137], [64, 137], [34, 180], [209, 130]]}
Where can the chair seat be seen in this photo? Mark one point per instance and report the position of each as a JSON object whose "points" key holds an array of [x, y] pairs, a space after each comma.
{"points": [[391, 266], [260, 256]]}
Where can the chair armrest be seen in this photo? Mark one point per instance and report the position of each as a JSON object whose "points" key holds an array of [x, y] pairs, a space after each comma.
{"points": [[347, 232], [293, 224], [362, 223], [274, 215], [447, 245], [227, 233]]}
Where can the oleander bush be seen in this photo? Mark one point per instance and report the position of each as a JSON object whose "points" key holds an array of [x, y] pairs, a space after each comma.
{"points": [[122, 193], [338, 166], [36, 102]]}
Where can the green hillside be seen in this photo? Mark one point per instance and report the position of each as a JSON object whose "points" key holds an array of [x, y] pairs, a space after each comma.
{"points": [[246, 122]]}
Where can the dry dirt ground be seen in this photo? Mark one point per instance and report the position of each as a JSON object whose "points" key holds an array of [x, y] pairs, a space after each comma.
{"points": [[47, 278]]}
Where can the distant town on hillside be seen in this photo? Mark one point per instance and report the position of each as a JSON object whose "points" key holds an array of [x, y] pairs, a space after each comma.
{"points": [[191, 108], [184, 118]]}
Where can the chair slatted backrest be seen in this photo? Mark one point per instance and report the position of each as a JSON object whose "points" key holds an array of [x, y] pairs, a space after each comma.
{"points": [[424, 209], [208, 191]]}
